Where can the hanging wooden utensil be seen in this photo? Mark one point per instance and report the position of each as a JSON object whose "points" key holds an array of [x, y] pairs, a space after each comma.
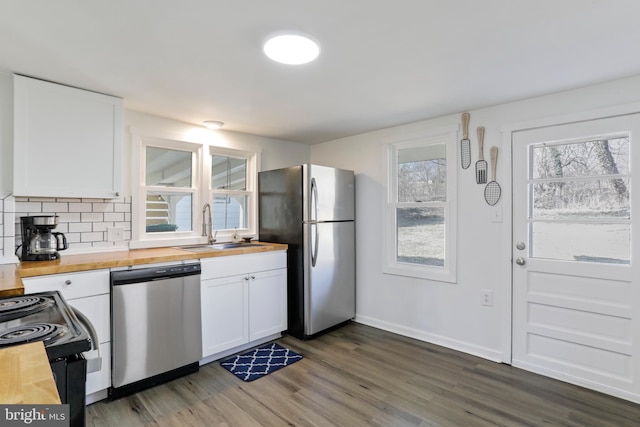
{"points": [[481, 164], [493, 191], [465, 144]]}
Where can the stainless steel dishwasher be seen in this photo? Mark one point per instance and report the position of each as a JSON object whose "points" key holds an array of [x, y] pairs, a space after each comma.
{"points": [[156, 327]]}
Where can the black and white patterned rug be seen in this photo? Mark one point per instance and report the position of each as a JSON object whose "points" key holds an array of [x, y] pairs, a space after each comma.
{"points": [[260, 361]]}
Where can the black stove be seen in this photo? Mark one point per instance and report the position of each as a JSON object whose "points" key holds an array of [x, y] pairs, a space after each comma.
{"points": [[47, 317]]}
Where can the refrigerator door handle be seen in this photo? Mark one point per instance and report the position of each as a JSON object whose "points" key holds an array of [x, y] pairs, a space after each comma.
{"points": [[315, 239], [314, 200]]}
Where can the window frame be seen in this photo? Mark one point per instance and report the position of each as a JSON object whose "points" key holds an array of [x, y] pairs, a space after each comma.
{"points": [[448, 137], [200, 191]]}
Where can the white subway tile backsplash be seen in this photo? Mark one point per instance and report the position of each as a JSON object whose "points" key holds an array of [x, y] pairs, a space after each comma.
{"points": [[92, 217], [84, 221], [41, 199], [73, 237], [92, 237], [122, 207], [102, 207], [80, 227], [114, 216], [55, 207], [101, 226], [69, 217], [80, 207], [32, 207], [63, 227], [8, 225]]}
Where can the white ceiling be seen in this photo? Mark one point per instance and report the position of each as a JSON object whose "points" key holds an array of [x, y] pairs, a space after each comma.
{"points": [[382, 63]]}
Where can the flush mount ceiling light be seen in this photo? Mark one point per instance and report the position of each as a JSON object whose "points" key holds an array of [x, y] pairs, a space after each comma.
{"points": [[291, 49], [213, 124]]}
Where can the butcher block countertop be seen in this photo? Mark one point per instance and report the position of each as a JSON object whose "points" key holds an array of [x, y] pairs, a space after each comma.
{"points": [[11, 275], [26, 376]]}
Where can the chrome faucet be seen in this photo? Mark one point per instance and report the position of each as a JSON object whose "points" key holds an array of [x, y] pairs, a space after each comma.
{"points": [[206, 221]]}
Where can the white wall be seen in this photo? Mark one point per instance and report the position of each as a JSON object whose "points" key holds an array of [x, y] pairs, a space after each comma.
{"points": [[443, 313]]}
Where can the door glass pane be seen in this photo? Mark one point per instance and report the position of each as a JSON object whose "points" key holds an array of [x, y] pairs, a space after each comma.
{"points": [[167, 212], [586, 158], [168, 168], [580, 199], [421, 236], [229, 212], [580, 203], [228, 173], [422, 174], [585, 242]]}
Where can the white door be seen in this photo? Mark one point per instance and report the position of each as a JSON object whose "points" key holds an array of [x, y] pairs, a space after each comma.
{"points": [[575, 300]]}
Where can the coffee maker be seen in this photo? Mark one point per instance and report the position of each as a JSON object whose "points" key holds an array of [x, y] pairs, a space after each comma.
{"points": [[39, 243]]}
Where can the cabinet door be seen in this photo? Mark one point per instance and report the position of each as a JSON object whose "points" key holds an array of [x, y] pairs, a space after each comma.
{"points": [[67, 141], [224, 304], [267, 303]]}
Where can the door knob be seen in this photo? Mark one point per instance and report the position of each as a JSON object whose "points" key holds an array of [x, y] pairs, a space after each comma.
{"points": [[521, 261], [520, 246]]}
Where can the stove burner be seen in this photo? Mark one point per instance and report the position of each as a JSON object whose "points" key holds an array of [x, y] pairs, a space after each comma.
{"points": [[46, 332], [13, 308]]}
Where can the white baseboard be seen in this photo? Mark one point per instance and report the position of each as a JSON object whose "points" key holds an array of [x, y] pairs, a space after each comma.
{"points": [[475, 350]]}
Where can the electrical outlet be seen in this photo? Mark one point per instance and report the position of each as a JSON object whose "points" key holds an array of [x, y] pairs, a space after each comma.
{"points": [[115, 234], [487, 297]]}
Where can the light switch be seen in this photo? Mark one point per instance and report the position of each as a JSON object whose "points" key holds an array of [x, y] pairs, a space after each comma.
{"points": [[496, 214]]}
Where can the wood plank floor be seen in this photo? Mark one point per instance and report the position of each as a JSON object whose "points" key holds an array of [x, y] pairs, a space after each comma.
{"points": [[358, 375]]}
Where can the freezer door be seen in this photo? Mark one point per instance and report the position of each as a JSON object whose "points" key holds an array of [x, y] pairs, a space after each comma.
{"points": [[280, 205], [329, 288], [329, 194]]}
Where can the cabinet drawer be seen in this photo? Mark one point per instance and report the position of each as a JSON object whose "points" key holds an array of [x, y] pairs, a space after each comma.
{"points": [[70, 285], [242, 264]]}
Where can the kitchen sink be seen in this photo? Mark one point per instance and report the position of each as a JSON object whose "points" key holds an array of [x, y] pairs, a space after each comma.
{"points": [[218, 246]]}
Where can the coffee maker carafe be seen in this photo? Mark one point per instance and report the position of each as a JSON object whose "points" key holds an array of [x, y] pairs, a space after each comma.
{"points": [[39, 243]]}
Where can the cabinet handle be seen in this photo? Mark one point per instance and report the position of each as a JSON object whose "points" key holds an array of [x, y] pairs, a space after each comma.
{"points": [[246, 278], [253, 277], [67, 282]]}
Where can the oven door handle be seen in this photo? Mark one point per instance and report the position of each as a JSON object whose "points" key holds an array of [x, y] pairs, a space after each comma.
{"points": [[93, 364]]}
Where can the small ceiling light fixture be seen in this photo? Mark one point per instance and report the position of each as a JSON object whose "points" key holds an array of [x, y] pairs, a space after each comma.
{"points": [[213, 124], [291, 49]]}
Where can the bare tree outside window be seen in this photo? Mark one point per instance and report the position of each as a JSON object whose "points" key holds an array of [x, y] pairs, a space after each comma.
{"points": [[580, 188]]}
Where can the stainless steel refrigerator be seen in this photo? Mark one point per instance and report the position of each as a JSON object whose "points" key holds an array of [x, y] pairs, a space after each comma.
{"points": [[312, 209]]}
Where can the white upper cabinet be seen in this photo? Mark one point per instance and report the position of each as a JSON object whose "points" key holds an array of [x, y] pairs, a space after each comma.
{"points": [[67, 141]]}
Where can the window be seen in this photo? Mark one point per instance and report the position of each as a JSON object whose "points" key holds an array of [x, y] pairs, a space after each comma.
{"points": [[169, 187], [420, 209], [176, 179], [232, 189]]}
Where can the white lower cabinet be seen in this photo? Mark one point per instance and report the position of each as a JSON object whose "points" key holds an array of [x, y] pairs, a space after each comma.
{"points": [[88, 292], [244, 299]]}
